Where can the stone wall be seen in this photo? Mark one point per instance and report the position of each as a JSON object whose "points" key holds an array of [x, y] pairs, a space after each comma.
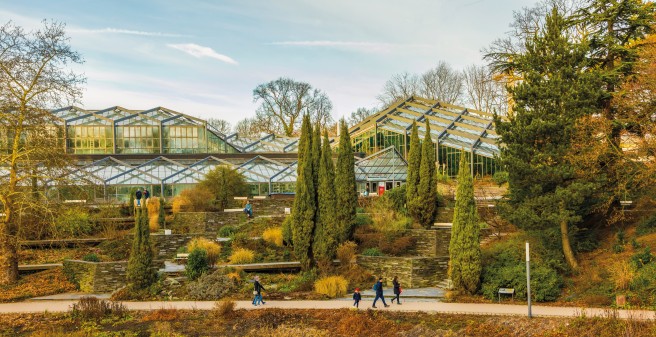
{"points": [[201, 222], [413, 272], [166, 246], [99, 277], [431, 242]]}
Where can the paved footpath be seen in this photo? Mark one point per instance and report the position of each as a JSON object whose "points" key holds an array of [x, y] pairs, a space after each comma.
{"points": [[434, 307]]}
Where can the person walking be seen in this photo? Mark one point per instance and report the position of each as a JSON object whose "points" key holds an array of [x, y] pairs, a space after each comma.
{"points": [[248, 209], [137, 196], [378, 287], [397, 290], [258, 292], [357, 297]]}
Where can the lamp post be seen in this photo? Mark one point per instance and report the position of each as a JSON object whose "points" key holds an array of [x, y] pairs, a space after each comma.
{"points": [[528, 279]]}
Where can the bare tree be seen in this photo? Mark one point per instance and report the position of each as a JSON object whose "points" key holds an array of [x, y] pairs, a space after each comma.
{"points": [[220, 125], [441, 83], [33, 78], [400, 86], [251, 127], [359, 115], [482, 91], [284, 101]]}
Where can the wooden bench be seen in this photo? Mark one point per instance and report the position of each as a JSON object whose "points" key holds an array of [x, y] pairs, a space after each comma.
{"points": [[233, 210], [507, 291], [240, 198], [75, 201], [259, 197], [181, 257]]}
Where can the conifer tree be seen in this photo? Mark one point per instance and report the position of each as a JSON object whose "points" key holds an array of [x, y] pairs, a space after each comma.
{"points": [[316, 159], [140, 272], [288, 224], [304, 209], [161, 215], [427, 189], [326, 234], [464, 248], [412, 182], [345, 189], [544, 195]]}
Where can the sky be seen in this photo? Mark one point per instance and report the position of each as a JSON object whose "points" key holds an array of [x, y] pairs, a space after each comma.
{"points": [[204, 58]]}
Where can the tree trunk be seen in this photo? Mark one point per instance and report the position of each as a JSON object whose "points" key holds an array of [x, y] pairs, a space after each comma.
{"points": [[8, 255], [567, 247]]}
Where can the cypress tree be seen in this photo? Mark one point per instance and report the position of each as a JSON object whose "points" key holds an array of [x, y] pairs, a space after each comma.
{"points": [[427, 190], [326, 234], [161, 215], [303, 213], [412, 181], [346, 194], [464, 248], [294, 218], [140, 272]]}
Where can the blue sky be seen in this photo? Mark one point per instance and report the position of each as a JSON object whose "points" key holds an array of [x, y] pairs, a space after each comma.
{"points": [[204, 58]]}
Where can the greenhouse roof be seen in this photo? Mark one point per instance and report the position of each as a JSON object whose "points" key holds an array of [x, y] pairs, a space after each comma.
{"points": [[451, 125], [387, 164]]}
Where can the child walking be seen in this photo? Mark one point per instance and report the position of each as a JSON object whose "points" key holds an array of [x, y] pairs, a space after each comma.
{"points": [[356, 298]]}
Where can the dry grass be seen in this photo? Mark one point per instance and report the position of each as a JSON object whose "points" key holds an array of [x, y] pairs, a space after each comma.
{"points": [[242, 256], [273, 235], [622, 274], [153, 213], [162, 314], [47, 282], [331, 286], [224, 309], [346, 253], [212, 249]]}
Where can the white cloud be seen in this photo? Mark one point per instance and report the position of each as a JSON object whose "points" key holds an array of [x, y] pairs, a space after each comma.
{"points": [[357, 45], [124, 31], [201, 51]]}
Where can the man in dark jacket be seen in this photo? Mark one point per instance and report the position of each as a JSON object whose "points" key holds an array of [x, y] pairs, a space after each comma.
{"points": [[137, 196], [378, 287], [258, 292]]}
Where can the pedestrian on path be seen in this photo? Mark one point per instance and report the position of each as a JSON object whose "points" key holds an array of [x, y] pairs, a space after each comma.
{"points": [[257, 291], [357, 297], [378, 287], [397, 290]]}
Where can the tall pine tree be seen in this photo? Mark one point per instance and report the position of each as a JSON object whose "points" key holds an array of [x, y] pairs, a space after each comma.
{"points": [[345, 188], [427, 190], [305, 207], [464, 248], [412, 182], [326, 234], [140, 272], [544, 196]]}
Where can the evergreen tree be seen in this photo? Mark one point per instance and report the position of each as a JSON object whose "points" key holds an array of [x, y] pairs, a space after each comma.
{"points": [[140, 272], [427, 190], [326, 234], [294, 218], [316, 161], [345, 189], [303, 213], [161, 215], [544, 195], [464, 248], [412, 182]]}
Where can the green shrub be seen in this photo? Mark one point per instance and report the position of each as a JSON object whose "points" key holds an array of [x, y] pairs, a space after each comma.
{"points": [[212, 287], [395, 199], [359, 210], [372, 252], [197, 264], [362, 220], [73, 222], [643, 285], [500, 177], [226, 231], [646, 225], [504, 267], [91, 258], [641, 259]]}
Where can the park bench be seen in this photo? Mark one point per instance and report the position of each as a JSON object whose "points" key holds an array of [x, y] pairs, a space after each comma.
{"points": [[233, 210], [507, 291], [240, 198], [259, 197], [75, 201], [181, 257]]}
